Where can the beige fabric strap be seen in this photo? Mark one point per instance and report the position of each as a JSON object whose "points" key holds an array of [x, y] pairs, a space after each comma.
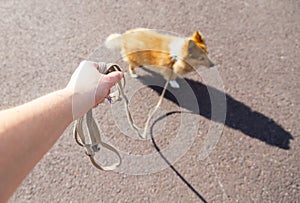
{"points": [[96, 141], [93, 131]]}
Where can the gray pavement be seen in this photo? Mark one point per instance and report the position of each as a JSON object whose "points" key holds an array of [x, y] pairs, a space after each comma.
{"points": [[255, 45]]}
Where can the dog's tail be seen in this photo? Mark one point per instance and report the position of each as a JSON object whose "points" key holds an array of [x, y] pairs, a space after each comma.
{"points": [[114, 41]]}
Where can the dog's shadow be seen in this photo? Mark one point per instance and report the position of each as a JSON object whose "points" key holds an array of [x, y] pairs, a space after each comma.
{"points": [[238, 115]]}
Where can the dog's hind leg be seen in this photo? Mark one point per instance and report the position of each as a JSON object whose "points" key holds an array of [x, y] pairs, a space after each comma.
{"points": [[132, 71]]}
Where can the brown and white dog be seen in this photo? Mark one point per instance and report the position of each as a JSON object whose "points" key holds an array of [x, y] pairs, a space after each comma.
{"points": [[162, 53]]}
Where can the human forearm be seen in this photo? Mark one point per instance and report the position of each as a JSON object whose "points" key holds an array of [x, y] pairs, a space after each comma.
{"points": [[30, 130]]}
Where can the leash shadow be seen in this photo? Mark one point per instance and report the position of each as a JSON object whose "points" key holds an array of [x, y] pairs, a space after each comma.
{"points": [[239, 116], [168, 162]]}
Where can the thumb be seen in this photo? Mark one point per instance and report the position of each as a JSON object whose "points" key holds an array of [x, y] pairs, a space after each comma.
{"points": [[105, 83], [111, 79]]}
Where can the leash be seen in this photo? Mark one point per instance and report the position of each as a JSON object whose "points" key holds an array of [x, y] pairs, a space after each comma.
{"points": [[150, 114], [93, 133]]}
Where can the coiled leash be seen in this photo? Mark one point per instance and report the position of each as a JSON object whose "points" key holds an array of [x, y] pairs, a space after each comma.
{"points": [[93, 132]]}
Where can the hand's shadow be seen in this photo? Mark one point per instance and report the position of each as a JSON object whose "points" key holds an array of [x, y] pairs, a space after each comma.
{"points": [[238, 116]]}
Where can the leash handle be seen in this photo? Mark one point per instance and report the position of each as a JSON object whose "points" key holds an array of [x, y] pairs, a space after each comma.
{"points": [[96, 141], [93, 133]]}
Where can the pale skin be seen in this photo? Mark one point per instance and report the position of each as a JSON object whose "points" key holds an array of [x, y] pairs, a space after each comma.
{"points": [[28, 131]]}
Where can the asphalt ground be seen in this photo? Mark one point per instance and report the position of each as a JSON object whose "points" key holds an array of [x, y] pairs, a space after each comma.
{"points": [[255, 45]]}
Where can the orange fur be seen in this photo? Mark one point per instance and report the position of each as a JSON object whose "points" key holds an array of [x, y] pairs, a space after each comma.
{"points": [[163, 53]]}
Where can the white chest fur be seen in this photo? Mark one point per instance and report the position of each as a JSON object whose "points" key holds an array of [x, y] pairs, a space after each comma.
{"points": [[176, 47]]}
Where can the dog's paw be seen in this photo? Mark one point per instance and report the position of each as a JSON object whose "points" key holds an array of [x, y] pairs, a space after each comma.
{"points": [[174, 84], [134, 75]]}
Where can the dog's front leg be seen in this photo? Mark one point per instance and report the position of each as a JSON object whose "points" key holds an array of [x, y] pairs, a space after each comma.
{"points": [[169, 74]]}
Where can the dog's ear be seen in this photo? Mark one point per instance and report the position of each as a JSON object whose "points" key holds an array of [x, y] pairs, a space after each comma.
{"points": [[198, 37], [192, 46]]}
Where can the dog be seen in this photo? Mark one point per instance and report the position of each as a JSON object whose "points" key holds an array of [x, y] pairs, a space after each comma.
{"points": [[168, 55]]}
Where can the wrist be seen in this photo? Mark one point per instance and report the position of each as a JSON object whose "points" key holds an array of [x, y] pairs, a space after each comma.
{"points": [[66, 96]]}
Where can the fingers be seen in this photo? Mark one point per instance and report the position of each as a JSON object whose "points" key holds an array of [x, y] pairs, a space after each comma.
{"points": [[105, 84], [112, 78]]}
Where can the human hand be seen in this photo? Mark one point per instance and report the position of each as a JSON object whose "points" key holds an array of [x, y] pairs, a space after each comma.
{"points": [[89, 87]]}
